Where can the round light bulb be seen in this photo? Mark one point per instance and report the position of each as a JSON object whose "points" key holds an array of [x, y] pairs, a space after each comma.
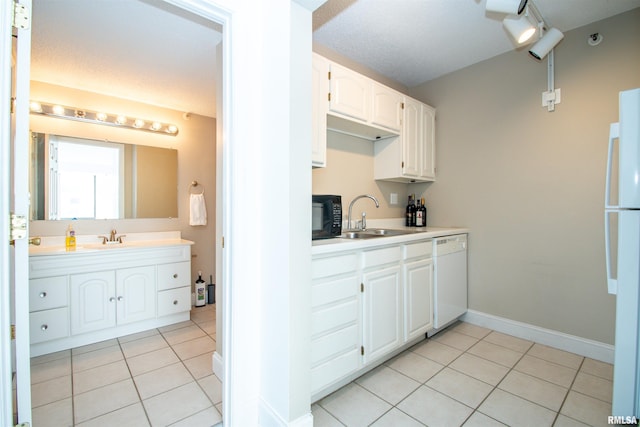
{"points": [[172, 129], [101, 116], [138, 123], [156, 126], [36, 107], [121, 119], [58, 109]]}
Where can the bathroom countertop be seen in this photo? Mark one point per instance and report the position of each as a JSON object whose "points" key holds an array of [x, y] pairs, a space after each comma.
{"points": [[55, 245]]}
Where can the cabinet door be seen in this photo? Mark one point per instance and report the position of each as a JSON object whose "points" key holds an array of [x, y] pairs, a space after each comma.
{"points": [[418, 291], [93, 301], [411, 134], [350, 93], [427, 143], [135, 294], [382, 313], [320, 92], [387, 107]]}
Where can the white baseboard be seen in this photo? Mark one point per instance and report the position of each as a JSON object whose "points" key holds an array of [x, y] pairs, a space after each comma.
{"points": [[218, 366], [574, 344], [268, 417]]}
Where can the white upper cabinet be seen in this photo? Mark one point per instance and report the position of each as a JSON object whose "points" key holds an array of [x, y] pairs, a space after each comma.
{"points": [[410, 157], [387, 107], [350, 93], [320, 91], [402, 128]]}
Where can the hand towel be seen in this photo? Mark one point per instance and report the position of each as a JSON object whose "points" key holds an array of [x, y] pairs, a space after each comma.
{"points": [[198, 210]]}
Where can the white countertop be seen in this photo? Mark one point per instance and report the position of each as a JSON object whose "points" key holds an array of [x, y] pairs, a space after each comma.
{"points": [[326, 246], [54, 245]]}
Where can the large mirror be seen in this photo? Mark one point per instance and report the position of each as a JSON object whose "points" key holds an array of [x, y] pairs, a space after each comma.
{"points": [[75, 178]]}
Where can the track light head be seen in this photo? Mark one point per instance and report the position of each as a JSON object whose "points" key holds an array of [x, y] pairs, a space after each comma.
{"points": [[512, 7], [520, 28], [546, 43]]}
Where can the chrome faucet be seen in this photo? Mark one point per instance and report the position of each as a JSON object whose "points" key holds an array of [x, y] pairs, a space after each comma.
{"points": [[364, 223]]}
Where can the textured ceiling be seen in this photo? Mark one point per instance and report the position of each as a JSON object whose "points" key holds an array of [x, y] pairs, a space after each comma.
{"points": [[153, 52], [144, 50], [414, 41]]}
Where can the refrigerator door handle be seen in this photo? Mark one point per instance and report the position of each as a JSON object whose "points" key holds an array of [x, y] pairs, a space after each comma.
{"points": [[614, 133], [612, 284]]}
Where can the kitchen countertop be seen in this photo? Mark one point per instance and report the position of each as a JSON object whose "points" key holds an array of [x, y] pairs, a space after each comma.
{"points": [[337, 244]]}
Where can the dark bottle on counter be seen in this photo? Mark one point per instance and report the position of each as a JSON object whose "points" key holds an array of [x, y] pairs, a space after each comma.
{"points": [[419, 221], [423, 208], [408, 213], [411, 215]]}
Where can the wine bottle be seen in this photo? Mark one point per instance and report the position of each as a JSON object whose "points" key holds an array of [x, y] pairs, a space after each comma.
{"points": [[413, 210], [419, 222], [424, 213], [407, 221]]}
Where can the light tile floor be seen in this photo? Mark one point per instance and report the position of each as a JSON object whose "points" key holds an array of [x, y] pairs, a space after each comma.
{"points": [[465, 375], [158, 377], [472, 376]]}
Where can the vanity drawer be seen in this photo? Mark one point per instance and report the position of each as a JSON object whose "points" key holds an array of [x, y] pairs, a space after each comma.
{"points": [[49, 324], [174, 301], [48, 292], [174, 275]]}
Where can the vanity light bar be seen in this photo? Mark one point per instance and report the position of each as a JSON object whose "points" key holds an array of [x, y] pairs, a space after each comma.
{"points": [[101, 118]]}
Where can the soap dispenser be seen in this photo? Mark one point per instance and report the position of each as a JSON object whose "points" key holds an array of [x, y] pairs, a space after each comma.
{"points": [[70, 239]]}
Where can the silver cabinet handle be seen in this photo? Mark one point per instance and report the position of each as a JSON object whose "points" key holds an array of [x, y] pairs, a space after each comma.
{"points": [[175, 302], [43, 294], [175, 275], [112, 299], [44, 327], [120, 298]]}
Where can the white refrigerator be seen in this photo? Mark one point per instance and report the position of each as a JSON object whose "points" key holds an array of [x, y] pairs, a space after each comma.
{"points": [[623, 277]]}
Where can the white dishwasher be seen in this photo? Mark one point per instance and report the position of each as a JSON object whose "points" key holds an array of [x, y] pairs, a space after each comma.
{"points": [[450, 285]]}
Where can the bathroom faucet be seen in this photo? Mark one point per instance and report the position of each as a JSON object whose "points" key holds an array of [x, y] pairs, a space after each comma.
{"points": [[364, 224], [113, 237]]}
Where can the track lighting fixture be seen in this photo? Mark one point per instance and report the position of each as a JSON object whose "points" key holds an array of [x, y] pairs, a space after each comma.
{"points": [[520, 28], [546, 43], [511, 7]]}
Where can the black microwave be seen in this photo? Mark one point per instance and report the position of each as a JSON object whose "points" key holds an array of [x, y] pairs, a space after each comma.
{"points": [[326, 218]]}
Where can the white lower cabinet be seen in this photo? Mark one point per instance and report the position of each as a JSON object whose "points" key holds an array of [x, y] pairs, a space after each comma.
{"points": [[93, 301], [382, 314], [366, 305], [135, 294], [418, 289], [83, 298]]}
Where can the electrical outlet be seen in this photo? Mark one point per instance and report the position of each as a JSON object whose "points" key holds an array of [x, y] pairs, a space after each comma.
{"points": [[393, 199]]}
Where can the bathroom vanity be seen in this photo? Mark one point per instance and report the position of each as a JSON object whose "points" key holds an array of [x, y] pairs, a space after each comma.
{"points": [[101, 291]]}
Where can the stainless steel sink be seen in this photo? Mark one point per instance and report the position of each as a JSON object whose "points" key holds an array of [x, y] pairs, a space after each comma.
{"points": [[373, 232]]}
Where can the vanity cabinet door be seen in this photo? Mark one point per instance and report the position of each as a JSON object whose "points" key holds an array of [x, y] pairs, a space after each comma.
{"points": [[93, 301], [135, 294]]}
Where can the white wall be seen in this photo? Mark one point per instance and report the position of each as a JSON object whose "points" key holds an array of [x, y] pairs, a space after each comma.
{"points": [[529, 183]]}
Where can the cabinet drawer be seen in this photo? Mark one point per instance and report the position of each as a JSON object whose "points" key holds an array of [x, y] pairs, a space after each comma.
{"points": [[389, 255], [419, 249], [49, 324], [174, 275], [333, 370], [334, 290], [334, 316], [333, 344], [332, 266], [174, 301], [48, 292]]}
